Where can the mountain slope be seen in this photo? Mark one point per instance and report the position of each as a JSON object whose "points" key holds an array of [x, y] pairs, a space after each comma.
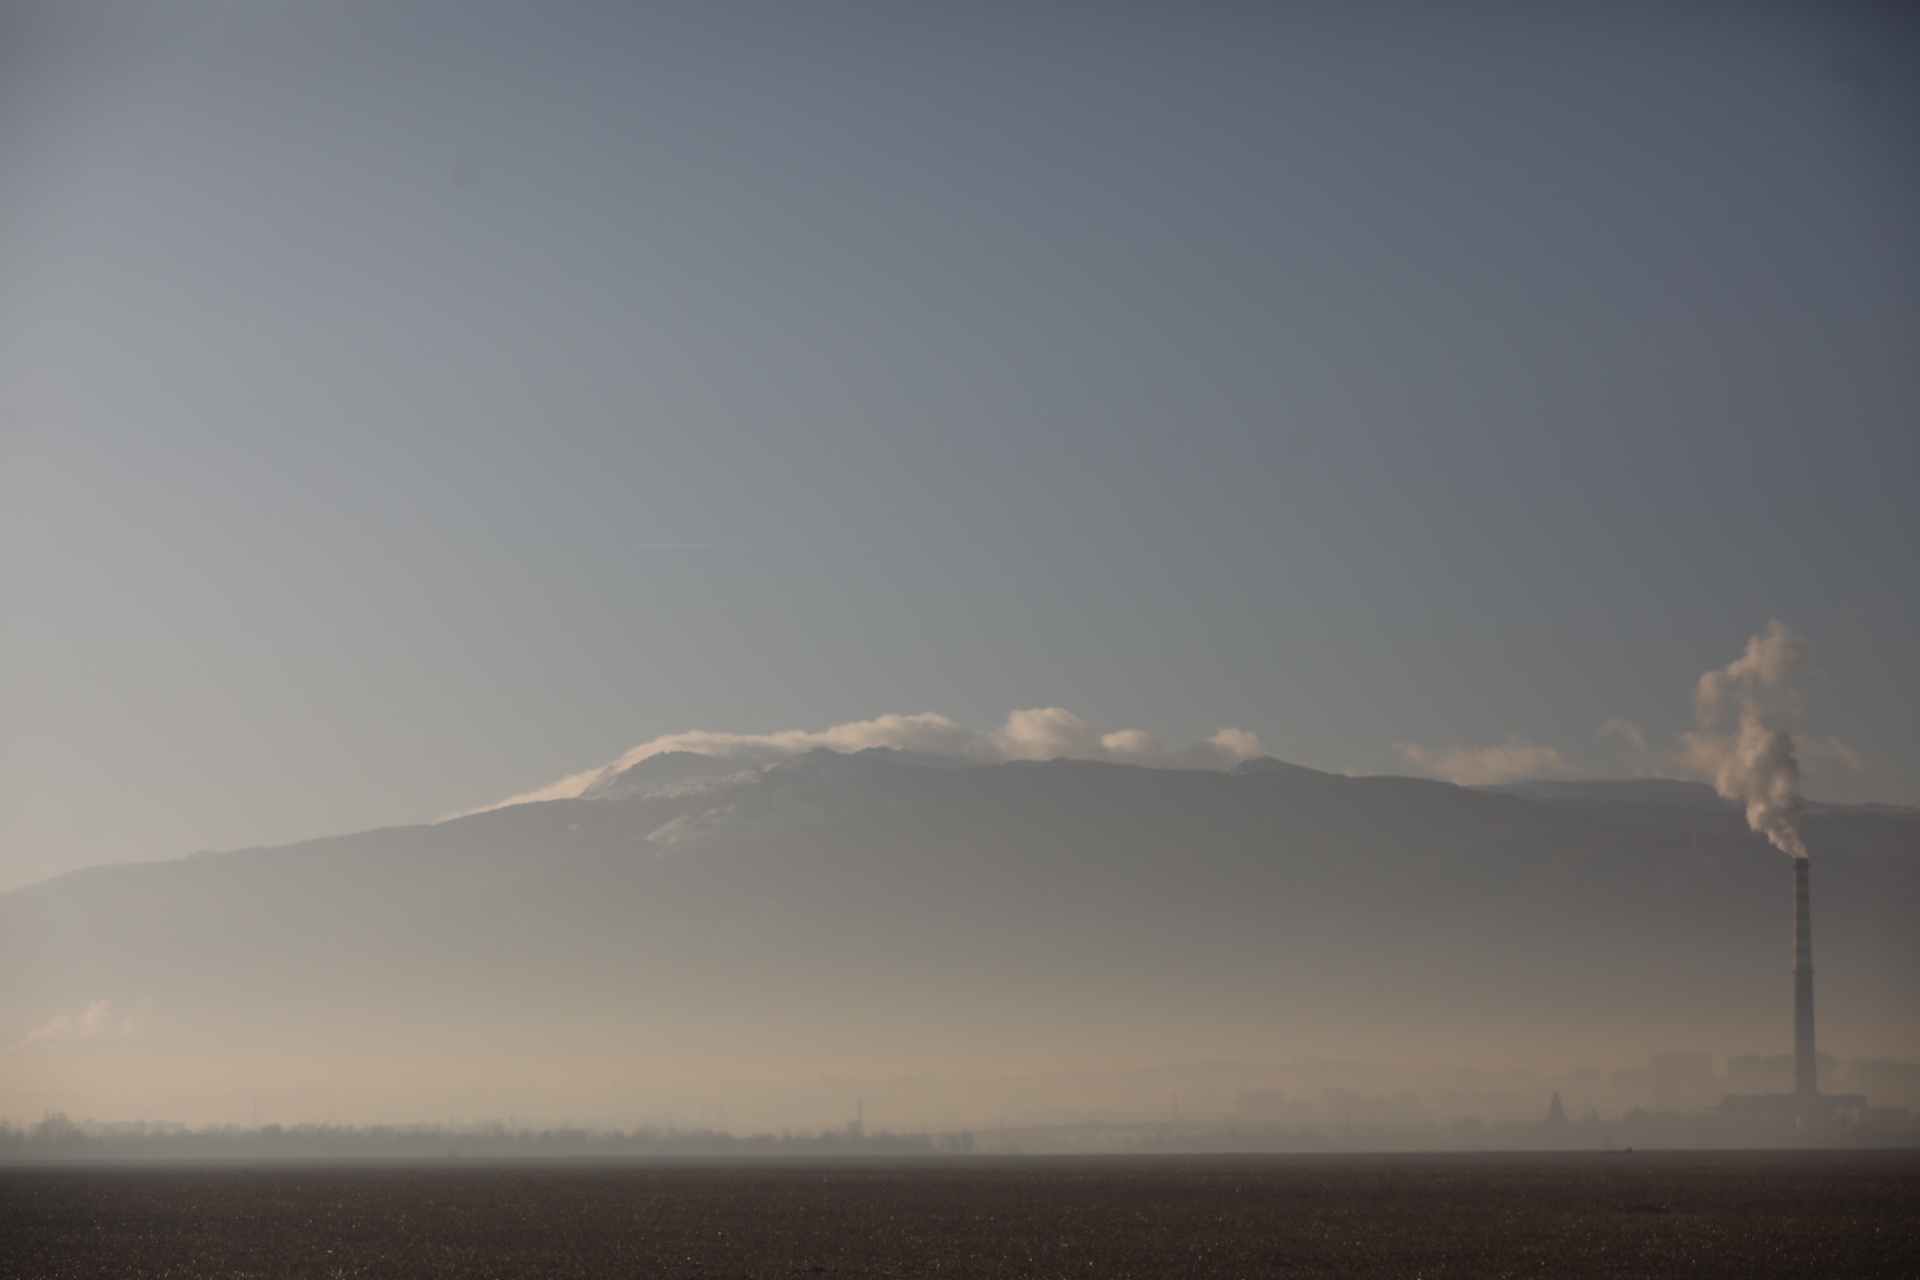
{"points": [[879, 911]]}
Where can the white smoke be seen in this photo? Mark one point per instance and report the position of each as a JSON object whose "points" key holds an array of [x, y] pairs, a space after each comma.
{"points": [[1041, 733], [1513, 759], [1740, 745]]}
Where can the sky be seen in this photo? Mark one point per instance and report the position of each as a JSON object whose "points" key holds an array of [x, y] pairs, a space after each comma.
{"points": [[403, 408]]}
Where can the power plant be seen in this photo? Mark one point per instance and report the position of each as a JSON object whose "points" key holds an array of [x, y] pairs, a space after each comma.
{"points": [[1806, 1113]]}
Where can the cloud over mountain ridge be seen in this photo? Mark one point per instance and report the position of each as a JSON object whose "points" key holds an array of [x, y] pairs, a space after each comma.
{"points": [[1037, 733]]}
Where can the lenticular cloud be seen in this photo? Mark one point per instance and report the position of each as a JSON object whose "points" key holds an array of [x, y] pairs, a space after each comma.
{"points": [[1042, 733]]}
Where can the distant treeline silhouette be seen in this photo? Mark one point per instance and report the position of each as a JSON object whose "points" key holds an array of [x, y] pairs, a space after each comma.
{"points": [[59, 1138]]}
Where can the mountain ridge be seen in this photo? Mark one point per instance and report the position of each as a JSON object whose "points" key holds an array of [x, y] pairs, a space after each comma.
{"points": [[847, 914]]}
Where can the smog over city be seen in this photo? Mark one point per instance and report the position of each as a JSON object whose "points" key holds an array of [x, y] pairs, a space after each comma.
{"points": [[847, 582]]}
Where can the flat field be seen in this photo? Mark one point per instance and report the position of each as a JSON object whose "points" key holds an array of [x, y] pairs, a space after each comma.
{"points": [[1664, 1214]]}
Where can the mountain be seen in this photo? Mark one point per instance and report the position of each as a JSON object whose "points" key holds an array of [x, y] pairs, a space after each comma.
{"points": [[885, 912]]}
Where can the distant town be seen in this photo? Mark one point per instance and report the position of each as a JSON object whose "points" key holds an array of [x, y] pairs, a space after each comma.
{"points": [[1678, 1101]]}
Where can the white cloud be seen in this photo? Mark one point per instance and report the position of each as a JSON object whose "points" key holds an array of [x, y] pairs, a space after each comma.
{"points": [[1642, 758], [1512, 760], [1627, 731], [1820, 753], [1039, 733], [98, 1020]]}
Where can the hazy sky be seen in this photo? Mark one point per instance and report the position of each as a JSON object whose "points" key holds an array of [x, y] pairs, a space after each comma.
{"points": [[402, 407]]}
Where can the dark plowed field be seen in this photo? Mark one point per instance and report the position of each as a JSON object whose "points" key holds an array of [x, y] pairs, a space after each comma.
{"points": [[1649, 1214]]}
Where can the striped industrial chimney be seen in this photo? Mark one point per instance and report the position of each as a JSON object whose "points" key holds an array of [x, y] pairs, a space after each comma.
{"points": [[1805, 1083]]}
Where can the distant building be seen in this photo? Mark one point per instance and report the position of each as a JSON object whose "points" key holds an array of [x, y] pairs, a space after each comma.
{"points": [[1669, 1081], [1771, 1072]]}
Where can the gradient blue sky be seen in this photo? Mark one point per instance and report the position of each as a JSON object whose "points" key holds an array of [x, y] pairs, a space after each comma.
{"points": [[1351, 374]]}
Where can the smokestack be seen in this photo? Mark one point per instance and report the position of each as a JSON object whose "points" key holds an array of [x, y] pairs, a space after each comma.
{"points": [[1752, 761], [1805, 1084]]}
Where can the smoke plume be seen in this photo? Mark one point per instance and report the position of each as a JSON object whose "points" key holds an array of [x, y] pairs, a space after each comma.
{"points": [[1741, 744], [1040, 733]]}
